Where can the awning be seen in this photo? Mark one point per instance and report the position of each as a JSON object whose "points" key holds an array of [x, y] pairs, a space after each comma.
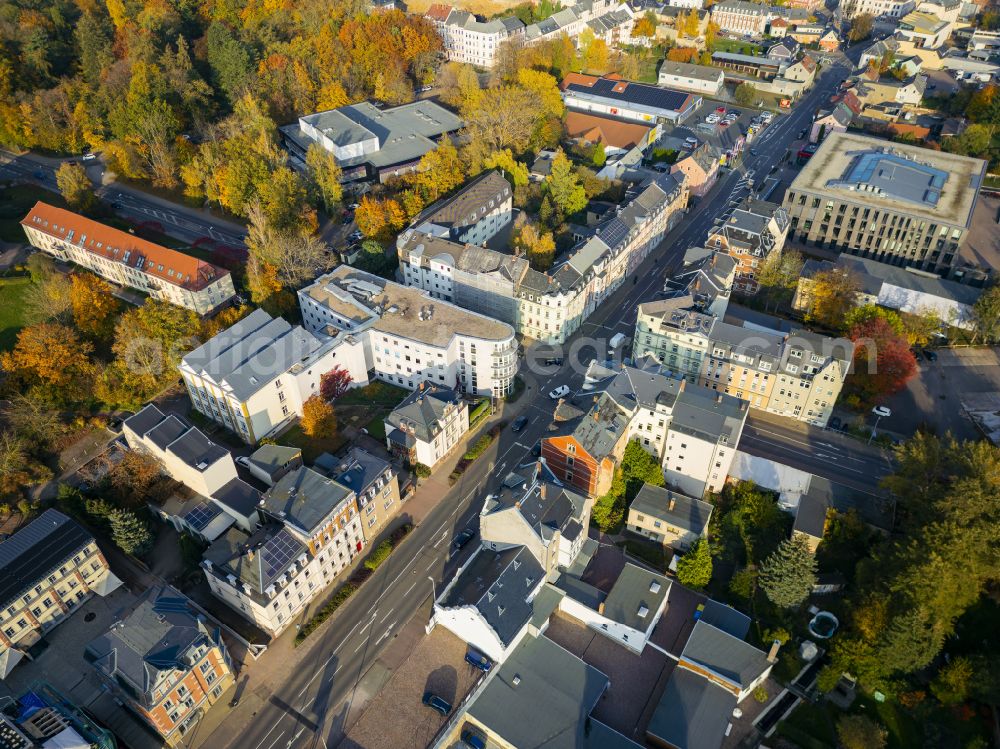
{"points": [[9, 658], [109, 584]]}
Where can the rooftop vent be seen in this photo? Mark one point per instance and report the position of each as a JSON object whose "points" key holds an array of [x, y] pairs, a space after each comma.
{"points": [[643, 610], [516, 680], [654, 587]]}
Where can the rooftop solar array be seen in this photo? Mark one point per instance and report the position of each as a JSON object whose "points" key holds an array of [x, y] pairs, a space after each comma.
{"points": [[199, 516], [634, 93], [893, 176], [276, 554]]}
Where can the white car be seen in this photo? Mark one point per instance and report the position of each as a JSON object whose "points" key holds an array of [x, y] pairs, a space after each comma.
{"points": [[243, 460], [882, 412], [89, 156], [560, 392], [712, 119]]}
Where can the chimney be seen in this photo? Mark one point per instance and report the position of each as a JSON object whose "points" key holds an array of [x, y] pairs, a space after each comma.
{"points": [[772, 655], [541, 491], [250, 554], [672, 504]]}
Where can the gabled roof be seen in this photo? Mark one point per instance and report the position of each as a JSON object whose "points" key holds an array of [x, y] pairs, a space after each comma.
{"points": [[422, 411], [600, 429], [596, 129], [438, 12], [468, 204], [305, 499], [636, 597], [545, 506], [673, 508], [692, 713], [121, 247], [728, 657], [257, 561]]}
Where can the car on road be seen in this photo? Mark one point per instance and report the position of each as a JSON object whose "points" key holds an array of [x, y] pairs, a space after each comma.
{"points": [[462, 539], [436, 703], [478, 660], [536, 449], [353, 207], [802, 133], [753, 152], [425, 89], [930, 355], [882, 411], [243, 460], [560, 392], [88, 157], [519, 423], [554, 362]]}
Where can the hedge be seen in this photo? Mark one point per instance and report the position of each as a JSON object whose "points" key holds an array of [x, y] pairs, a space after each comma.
{"points": [[345, 591], [381, 553]]}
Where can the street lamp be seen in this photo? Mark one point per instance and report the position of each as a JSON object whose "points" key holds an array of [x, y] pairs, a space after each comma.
{"points": [[433, 591], [880, 413]]}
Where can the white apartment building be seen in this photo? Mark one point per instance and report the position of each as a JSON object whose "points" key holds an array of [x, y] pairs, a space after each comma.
{"points": [[467, 39], [686, 76], [473, 215], [427, 425], [254, 376], [126, 260], [705, 428], [878, 8], [410, 337], [547, 306], [312, 531]]}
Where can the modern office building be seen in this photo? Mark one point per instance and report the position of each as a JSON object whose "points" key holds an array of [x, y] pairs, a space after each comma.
{"points": [[126, 260], [890, 202], [47, 569]]}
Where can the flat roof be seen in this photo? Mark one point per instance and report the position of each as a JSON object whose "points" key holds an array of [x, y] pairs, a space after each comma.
{"points": [[306, 498], [901, 181]]}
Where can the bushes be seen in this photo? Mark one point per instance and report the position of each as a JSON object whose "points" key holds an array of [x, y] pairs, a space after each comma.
{"points": [[345, 591], [479, 413], [381, 553], [479, 447], [422, 471]]}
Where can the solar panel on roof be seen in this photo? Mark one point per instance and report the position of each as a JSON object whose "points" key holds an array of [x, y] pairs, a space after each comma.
{"points": [[277, 553], [200, 516]]}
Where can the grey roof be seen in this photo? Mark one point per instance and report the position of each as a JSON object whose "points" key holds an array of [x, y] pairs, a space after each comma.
{"points": [[305, 498], [468, 204], [635, 597], [273, 458], [688, 513], [156, 638], [759, 344], [197, 450], [358, 469], [763, 62], [256, 560], [239, 496], [498, 583], [643, 96], [550, 703], [726, 618], [906, 279], [890, 174], [692, 713], [810, 516], [711, 416], [690, 70], [600, 429], [166, 431], [545, 506], [676, 313], [728, 657], [35, 550], [647, 384], [144, 420], [422, 410], [706, 275], [745, 7]]}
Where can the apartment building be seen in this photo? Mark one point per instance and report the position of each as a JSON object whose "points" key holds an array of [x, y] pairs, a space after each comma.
{"points": [[686, 76], [427, 425], [311, 531], [707, 276], [887, 9], [164, 662], [375, 485], [469, 40], [253, 377], [668, 517], [547, 306], [473, 215], [704, 431], [675, 333], [410, 337], [895, 203], [627, 100], [744, 17], [750, 233], [126, 260], [47, 569], [700, 168], [372, 143]]}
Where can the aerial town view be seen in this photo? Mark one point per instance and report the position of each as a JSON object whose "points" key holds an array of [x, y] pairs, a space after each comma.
{"points": [[504, 374]]}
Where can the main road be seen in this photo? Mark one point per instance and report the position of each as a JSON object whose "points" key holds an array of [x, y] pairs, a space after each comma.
{"points": [[310, 708]]}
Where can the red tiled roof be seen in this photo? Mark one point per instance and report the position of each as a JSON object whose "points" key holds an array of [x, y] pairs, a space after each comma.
{"points": [[168, 265], [581, 79], [605, 130], [438, 11]]}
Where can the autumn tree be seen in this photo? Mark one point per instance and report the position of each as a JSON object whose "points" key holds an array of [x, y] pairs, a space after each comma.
{"points": [[539, 247], [48, 297], [94, 305], [694, 569], [745, 94], [286, 256], [223, 319], [137, 479], [860, 732], [18, 470], [504, 118], [778, 276], [691, 24], [831, 294], [681, 54], [324, 177], [883, 362], [439, 172], [318, 418], [512, 169], [788, 575], [33, 418], [334, 383], [75, 186], [52, 358], [562, 185], [379, 219], [861, 27], [645, 25]]}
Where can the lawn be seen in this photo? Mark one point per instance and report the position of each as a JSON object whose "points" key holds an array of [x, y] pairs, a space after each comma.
{"points": [[375, 393], [653, 554], [15, 202], [737, 46], [12, 292], [311, 447]]}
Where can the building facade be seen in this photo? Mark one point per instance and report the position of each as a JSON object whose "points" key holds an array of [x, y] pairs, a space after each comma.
{"points": [[669, 518], [743, 17], [47, 569], [164, 662], [685, 76], [894, 203], [126, 260], [468, 40], [751, 233], [427, 425], [375, 485], [879, 8]]}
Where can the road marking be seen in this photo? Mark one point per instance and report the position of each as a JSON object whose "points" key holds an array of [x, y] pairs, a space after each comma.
{"points": [[412, 586], [333, 654], [276, 740], [268, 734], [387, 632], [363, 642]]}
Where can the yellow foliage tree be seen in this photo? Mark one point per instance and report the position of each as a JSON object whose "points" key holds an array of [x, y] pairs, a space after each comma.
{"points": [[512, 169], [439, 172], [691, 23], [378, 219], [545, 88], [539, 247], [318, 418], [831, 295], [52, 357], [94, 307]]}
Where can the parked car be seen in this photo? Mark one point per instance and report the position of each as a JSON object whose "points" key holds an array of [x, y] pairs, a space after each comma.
{"points": [[560, 392], [616, 340], [425, 89], [243, 460], [556, 362], [536, 449], [89, 156], [930, 355], [472, 739], [519, 423], [437, 704], [720, 110], [882, 411], [462, 539], [478, 660]]}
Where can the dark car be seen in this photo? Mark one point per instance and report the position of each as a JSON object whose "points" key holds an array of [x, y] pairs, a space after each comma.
{"points": [[462, 539], [519, 423], [802, 134], [478, 660], [437, 704], [929, 355], [753, 151], [473, 739], [556, 362], [536, 449]]}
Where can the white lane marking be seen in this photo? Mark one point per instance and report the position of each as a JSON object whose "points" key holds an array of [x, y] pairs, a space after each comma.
{"points": [[412, 586]]}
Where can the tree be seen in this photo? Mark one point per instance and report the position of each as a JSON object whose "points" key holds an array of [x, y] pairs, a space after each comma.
{"points": [[861, 27], [334, 383], [986, 316], [504, 118], [568, 195], [294, 255], [639, 468], [779, 275], [691, 23], [439, 172], [953, 683], [694, 569], [599, 157], [379, 219], [324, 177], [48, 298], [544, 89], [711, 30], [860, 732], [512, 169], [745, 94], [75, 186], [645, 25], [223, 320], [318, 418], [539, 247], [137, 479], [32, 419], [609, 510], [883, 361], [831, 294], [681, 54], [94, 307], [130, 532], [52, 357], [788, 575], [17, 469]]}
